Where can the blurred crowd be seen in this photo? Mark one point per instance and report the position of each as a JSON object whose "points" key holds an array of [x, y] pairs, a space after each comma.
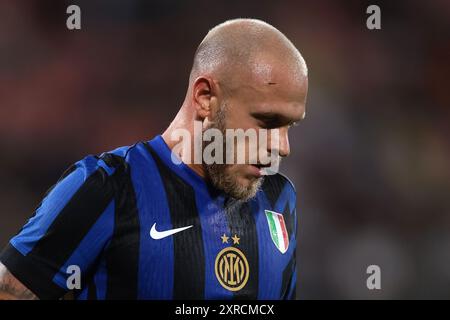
{"points": [[370, 162]]}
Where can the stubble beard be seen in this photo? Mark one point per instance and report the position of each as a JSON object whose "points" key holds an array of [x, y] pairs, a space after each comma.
{"points": [[219, 174]]}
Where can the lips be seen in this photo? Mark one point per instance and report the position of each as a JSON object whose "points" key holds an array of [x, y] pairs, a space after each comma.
{"points": [[265, 169], [254, 170]]}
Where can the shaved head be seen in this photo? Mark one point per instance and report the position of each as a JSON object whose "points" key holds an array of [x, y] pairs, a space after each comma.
{"points": [[246, 74], [242, 49]]}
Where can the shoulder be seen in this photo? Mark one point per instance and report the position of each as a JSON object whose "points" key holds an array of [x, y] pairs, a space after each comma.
{"points": [[277, 183], [279, 191], [109, 162]]}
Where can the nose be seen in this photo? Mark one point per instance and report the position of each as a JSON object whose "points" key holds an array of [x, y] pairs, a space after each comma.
{"points": [[283, 143], [285, 149]]}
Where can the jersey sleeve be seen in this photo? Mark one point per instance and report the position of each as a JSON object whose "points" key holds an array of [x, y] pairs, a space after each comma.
{"points": [[68, 231]]}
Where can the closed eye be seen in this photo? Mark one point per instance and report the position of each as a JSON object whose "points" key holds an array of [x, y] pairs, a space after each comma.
{"points": [[270, 120]]}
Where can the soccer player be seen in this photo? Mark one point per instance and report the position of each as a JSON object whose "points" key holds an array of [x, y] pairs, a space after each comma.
{"points": [[135, 224]]}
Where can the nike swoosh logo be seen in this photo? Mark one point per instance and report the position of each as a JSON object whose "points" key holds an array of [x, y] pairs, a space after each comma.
{"points": [[162, 234]]}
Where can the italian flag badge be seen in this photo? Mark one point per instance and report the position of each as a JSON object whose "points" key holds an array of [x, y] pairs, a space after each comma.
{"points": [[278, 230]]}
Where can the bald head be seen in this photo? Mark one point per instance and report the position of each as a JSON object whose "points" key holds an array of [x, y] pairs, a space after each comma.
{"points": [[239, 49], [246, 75]]}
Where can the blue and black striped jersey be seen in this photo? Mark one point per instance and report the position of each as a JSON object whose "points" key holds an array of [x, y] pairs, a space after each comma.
{"points": [[139, 226]]}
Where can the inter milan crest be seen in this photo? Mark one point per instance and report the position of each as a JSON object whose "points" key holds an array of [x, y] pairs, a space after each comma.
{"points": [[278, 230], [231, 266]]}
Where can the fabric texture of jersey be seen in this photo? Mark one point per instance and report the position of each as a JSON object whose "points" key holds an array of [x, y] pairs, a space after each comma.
{"points": [[98, 217]]}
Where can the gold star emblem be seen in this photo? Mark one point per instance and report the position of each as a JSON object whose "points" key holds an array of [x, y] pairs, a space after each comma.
{"points": [[224, 238], [236, 239]]}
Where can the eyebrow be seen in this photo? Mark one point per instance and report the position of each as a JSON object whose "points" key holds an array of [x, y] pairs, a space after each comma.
{"points": [[274, 119]]}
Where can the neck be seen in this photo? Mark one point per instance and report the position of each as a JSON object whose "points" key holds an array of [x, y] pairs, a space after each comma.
{"points": [[183, 122]]}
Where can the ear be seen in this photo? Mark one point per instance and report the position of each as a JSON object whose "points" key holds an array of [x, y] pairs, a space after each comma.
{"points": [[204, 96]]}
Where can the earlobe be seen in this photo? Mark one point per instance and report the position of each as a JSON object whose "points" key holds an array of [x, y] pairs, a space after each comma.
{"points": [[203, 110], [206, 122]]}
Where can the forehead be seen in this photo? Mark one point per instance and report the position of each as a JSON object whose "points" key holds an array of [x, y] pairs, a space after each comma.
{"points": [[277, 93]]}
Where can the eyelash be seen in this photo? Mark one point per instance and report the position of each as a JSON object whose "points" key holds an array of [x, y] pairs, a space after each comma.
{"points": [[268, 126]]}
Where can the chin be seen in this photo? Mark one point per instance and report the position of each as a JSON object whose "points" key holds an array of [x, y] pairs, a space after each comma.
{"points": [[248, 187], [234, 182], [245, 181]]}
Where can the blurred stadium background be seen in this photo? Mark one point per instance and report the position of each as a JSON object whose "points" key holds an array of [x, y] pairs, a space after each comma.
{"points": [[370, 163]]}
